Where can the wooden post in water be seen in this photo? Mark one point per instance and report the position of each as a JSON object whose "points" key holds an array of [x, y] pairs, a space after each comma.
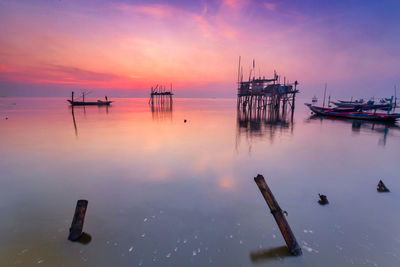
{"points": [[77, 222], [280, 219]]}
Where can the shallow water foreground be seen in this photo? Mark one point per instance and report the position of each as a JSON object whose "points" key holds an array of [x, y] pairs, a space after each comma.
{"points": [[167, 193]]}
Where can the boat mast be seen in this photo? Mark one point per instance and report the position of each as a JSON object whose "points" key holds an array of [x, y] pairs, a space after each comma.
{"points": [[239, 73], [324, 95]]}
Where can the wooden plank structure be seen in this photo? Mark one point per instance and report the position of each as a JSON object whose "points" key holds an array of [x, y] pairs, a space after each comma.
{"points": [[280, 219], [161, 102], [263, 93], [75, 231]]}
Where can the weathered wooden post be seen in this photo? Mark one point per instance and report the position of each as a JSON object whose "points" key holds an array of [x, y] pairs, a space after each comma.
{"points": [[280, 219], [77, 222]]}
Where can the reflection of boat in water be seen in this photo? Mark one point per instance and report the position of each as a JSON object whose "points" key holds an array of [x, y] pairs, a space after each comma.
{"points": [[72, 107], [359, 115], [358, 126]]}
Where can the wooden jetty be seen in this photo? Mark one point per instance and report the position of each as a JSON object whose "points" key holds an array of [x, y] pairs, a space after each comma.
{"points": [[161, 102], [278, 214], [161, 91], [265, 93]]}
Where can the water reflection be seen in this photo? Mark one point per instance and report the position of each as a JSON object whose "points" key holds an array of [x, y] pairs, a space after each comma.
{"points": [[74, 121], [128, 166], [84, 113], [161, 108], [359, 126], [84, 239], [270, 254], [259, 123]]}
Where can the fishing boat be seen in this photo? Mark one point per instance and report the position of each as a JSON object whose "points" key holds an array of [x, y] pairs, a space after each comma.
{"points": [[359, 115], [314, 99], [88, 103], [360, 101], [370, 105]]}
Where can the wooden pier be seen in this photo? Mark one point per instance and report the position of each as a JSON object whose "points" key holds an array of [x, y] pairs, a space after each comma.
{"points": [[161, 102], [265, 94]]}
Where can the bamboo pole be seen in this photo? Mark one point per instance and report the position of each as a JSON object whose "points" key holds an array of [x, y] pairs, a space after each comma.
{"points": [[280, 219]]}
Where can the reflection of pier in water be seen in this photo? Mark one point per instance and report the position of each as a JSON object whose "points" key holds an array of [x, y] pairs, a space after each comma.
{"points": [[161, 107], [257, 123], [358, 126]]}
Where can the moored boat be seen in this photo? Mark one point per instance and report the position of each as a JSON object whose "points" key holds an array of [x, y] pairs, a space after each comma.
{"points": [[370, 105], [88, 103], [314, 99], [359, 115]]}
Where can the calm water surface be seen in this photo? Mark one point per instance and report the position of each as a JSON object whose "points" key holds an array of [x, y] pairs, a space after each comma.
{"points": [[167, 193]]}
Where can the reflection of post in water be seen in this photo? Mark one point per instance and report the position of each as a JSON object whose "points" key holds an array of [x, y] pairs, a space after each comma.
{"points": [[272, 254], [161, 103], [73, 119]]}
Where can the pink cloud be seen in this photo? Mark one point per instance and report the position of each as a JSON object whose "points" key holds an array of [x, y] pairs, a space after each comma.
{"points": [[270, 6], [234, 4]]}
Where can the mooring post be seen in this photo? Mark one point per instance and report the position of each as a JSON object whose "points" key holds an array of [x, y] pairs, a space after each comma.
{"points": [[77, 222], [280, 219]]}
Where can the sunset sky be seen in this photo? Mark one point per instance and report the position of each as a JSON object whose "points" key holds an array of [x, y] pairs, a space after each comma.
{"points": [[48, 48]]}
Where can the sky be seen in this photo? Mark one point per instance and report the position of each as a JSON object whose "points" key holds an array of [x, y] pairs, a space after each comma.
{"points": [[122, 48]]}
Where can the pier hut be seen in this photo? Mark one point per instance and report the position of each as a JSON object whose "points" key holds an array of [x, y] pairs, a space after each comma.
{"points": [[161, 91], [261, 92]]}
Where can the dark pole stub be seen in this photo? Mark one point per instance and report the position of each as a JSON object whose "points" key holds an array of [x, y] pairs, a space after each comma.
{"points": [[280, 219], [77, 222], [381, 187], [323, 200]]}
